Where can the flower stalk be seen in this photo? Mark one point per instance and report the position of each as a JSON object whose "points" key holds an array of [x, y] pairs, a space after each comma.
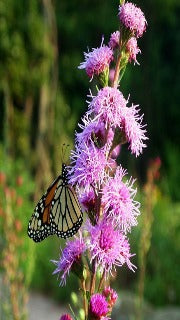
{"points": [[85, 298], [106, 195], [101, 281], [117, 71], [93, 278]]}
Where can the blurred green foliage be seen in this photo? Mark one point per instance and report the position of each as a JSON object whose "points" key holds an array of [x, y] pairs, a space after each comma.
{"points": [[17, 252], [42, 95], [161, 284], [24, 51]]}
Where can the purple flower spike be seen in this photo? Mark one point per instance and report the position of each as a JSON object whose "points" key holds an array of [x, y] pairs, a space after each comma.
{"points": [[97, 61], [71, 254], [98, 305], [132, 18], [133, 49], [110, 247], [118, 201]]}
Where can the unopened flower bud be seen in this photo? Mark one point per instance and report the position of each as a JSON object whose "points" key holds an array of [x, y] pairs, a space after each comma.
{"points": [[66, 317], [74, 298], [84, 274], [110, 295], [81, 314]]}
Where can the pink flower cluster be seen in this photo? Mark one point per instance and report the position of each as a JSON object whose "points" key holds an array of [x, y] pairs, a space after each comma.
{"points": [[132, 49], [109, 247], [101, 304], [118, 201], [131, 46], [97, 61], [114, 40], [88, 166], [132, 18], [111, 296], [70, 255], [109, 107], [98, 305]]}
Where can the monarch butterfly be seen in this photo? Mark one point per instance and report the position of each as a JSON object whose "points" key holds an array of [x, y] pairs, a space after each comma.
{"points": [[57, 212]]}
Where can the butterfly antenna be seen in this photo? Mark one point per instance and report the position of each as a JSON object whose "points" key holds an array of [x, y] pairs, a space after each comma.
{"points": [[64, 150]]}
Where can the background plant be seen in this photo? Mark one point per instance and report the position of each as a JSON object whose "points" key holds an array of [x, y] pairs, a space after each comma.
{"points": [[17, 254]]}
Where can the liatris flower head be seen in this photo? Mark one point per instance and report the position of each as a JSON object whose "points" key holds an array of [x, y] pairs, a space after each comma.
{"points": [[131, 125], [107, 106], [92, 131], [118, 201], [98, 305], [87, 200], [132, 18], [97, 61], [111, 296], [114, 40], [132, 49], [89, 166], [109, 246], [70, 258], [65, 317]]}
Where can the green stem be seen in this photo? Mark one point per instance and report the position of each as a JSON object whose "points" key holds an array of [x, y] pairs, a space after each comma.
{"points": [[84, 298], [101, 281], [117, 70], [93, 278], [122, 73]]}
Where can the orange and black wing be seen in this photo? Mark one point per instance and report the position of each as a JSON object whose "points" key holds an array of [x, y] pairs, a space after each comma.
{"points": [[39, 226], [57, 212]]}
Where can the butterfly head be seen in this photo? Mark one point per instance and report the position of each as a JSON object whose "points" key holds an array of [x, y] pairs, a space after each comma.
{"points": [[64, 173]]}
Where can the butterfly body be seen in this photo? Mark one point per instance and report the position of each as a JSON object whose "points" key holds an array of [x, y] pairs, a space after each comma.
{"points": [[57, 212]]}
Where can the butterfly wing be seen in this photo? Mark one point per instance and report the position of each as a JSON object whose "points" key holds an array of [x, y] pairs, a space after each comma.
{"points": [[66, 214], [57, 212], [39, 226]]}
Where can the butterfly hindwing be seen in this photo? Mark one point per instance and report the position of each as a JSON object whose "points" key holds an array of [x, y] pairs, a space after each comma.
{"points": [[57, 212], [65, 212]]}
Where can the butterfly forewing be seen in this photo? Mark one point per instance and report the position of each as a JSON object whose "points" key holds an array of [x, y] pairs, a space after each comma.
{"points": [[57, 212], [39, 226]]}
